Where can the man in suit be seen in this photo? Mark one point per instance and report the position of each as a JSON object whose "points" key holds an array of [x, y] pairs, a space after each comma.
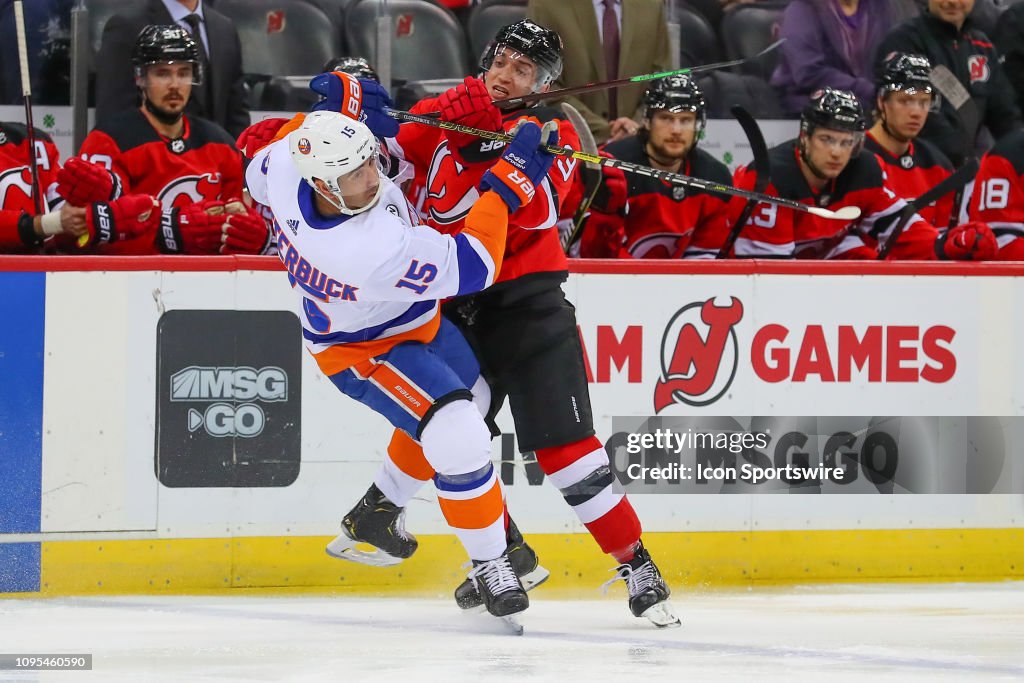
{"points": [[621, 38], [220, 98]]}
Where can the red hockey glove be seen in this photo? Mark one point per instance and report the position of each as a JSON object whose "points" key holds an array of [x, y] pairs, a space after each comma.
{"points": [[258, 135], [81, 183], [523, 165], [121, 219], [194, 229], [972, 241], [244, 233], [469, 104], [603, 235], [612, 194]]}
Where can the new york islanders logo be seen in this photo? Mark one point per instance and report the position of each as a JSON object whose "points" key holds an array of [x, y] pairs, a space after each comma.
{"points": [[699, 354]]}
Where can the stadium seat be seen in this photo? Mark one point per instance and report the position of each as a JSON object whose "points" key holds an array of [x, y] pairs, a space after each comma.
{"points": [[335, 9], [698, 43], [282, 37], [427, 40], [100, 12], [487, 18], [723, 89], [748, 29]]}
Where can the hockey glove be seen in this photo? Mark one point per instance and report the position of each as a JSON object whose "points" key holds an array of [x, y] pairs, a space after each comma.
{"points": [[81, 183], [523, 165], [258, 135], [612, 194], [244, 233], [194, 229], [130, 216], [972, 241], [469, 104], [361, 99]]}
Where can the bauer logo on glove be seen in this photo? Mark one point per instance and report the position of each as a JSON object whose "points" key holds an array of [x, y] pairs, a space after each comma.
{"points": [[523, 165]]}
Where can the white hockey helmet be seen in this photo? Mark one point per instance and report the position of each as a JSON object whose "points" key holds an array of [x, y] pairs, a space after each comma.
{"points": [[329, 145]]}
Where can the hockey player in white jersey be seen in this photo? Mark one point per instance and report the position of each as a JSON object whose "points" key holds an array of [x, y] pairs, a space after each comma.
{"points": [[370, 280]]}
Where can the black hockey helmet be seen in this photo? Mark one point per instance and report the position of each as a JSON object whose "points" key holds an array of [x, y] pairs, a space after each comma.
{"points": [[355, 66], [543, 46], [675, 94], [835, 109], [907, 72], [159, 44]]}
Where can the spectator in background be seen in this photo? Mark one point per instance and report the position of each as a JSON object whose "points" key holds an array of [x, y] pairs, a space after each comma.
{"points": [[829, 43], [612, 39], [48, 41], [1009, 39], [947, 37], [221, 97], [187, 163], [639, 217]]}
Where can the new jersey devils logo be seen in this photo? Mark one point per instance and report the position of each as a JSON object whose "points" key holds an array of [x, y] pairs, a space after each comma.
{"points": [[977, 66], [699, 354], [16, 189], [449, 197], [189, 189]]}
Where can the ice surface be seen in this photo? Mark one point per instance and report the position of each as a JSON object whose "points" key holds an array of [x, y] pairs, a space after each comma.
{"points": [[891, 632]]}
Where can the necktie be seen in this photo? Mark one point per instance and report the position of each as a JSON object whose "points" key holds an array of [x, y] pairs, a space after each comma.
{"points": [[205, 92], [610, 32]]}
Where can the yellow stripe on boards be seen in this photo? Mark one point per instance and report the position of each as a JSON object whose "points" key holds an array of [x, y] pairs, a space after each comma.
{"points": [[701, 560]]}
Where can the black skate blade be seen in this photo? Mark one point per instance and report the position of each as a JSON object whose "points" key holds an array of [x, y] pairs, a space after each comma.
{"points": [[344, 547], [662, 615]]}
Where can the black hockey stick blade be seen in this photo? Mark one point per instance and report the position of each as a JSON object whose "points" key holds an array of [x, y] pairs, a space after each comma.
{"points": [[761, 165], [952, 183]]}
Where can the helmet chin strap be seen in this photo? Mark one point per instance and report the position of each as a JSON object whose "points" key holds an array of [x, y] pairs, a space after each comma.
{"points": [[338, 202], [815, 171], [902, 139]]}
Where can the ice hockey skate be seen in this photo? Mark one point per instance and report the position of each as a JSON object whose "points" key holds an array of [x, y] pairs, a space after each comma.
{"points": [[648, 592], [524, 562], [374, 521], [500, 590]]}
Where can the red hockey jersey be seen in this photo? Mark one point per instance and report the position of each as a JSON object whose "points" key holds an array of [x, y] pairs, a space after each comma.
{"points": [[202, 164], [451, 188], [660, 220], [997, 196], [914, 173], [777, 232], [16, 181]]}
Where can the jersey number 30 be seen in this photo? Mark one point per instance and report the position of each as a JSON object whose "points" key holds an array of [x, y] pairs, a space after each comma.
{"points": [[418, 273]]}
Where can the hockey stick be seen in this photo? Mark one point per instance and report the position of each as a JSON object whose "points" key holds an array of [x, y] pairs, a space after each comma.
{"points": [[952, 183], [532, 98], [950, 87], [761, 165], [846, 213], [592, 179], [26, 91]]}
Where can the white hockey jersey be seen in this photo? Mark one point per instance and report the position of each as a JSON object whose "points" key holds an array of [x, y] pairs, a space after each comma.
{"points": [[373, 280]]}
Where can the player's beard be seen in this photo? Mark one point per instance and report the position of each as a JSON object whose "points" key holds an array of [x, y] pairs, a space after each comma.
{"points": [[164, 116]]}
